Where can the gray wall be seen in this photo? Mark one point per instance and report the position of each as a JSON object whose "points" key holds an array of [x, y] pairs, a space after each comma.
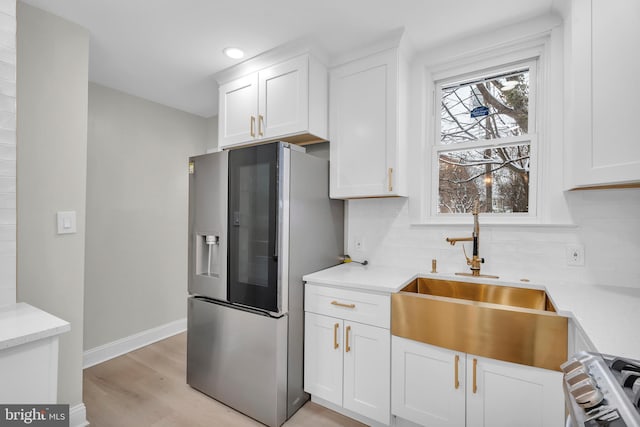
{"points": [[52, 72], [137, 194], [7, 152]]}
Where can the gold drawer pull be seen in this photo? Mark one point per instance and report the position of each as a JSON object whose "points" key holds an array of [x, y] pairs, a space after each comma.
{"points": [[341, 304], [456, 383], [260, 125], [347, 348], [390, 179], [335, 335], [252, 126], [475, 369]]}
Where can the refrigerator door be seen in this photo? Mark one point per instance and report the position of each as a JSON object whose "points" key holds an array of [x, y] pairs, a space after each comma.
{"points": [[253, 227], [208, 225], [238, 357]]}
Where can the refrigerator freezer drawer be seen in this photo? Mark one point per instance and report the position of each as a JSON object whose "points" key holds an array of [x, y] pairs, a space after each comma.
{"points": [[239, 358]]}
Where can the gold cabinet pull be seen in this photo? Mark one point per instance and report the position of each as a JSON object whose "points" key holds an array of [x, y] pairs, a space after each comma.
{"points": [[456, 383], [335, 335], [390, 179], [341, 304], [253, 126], [346, 346], [260, 125], [475, 371]]}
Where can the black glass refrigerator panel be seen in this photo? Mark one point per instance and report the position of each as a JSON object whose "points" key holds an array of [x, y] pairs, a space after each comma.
{"points": [[253, 217]]}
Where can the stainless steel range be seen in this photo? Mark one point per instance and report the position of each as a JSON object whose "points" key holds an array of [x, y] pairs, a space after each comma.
{"points": [[602, 390]]}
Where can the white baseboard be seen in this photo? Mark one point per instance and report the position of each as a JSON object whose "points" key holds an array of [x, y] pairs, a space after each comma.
{"points": [[78, 416], [132, 342]]}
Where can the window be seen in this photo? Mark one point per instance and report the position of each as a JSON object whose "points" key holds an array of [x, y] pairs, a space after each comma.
{"points": [[485, 142]]}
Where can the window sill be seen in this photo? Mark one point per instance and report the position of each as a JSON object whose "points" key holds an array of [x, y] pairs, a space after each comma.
{"points": [[466, 219]]}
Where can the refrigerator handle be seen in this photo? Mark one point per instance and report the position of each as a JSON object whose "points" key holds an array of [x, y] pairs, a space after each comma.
{"points": [[275, 247]]}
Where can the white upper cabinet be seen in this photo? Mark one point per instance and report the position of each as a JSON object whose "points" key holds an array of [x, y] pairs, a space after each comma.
{"points": [[283, 98], [237, 116], [605, 39], [367, 126], [286, 101]]}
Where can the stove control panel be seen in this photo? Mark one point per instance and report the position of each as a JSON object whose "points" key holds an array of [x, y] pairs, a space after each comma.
{"points": [[602, 390]]}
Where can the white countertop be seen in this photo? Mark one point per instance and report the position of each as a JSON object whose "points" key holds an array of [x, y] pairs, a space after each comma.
{"points": [[365, 277], [22, 323], [609, 315]]}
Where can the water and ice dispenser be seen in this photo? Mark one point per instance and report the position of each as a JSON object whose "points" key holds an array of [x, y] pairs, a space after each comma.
{"points": [[208, 255]]}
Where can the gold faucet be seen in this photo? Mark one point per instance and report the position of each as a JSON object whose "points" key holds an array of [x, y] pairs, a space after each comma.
{"points": [[475, 260]]}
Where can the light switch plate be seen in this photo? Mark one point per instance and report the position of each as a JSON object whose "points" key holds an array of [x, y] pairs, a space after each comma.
{"points": [[66, 222]]}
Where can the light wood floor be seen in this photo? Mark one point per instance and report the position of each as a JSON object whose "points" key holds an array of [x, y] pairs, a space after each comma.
{"points": [[147, 387]]}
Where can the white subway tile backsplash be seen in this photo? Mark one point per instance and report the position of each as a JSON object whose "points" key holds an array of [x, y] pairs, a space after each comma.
{"points": [[607, 224], [7, 249], [7, 233], [8, 22], [7, 200], [8, 120], [7, 168], [7, 151], [8, 216], [8, 138], [8, 7], [7, 184], [7, 73], [7, 104]]}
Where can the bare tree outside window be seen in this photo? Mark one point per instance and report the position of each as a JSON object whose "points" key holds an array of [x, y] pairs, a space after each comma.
{"points": [[474, 115]]}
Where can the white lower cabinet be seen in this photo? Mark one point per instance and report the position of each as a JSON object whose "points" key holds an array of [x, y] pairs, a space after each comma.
{"points": [[347, 363], [433, 386], [347, 354], [323, 359]]}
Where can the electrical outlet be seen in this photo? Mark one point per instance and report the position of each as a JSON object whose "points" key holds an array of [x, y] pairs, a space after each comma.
{"points": [[358, 243], [575, 254]]}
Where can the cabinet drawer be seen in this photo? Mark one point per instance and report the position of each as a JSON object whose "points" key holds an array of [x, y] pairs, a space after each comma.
{"points": [[358, 306]]}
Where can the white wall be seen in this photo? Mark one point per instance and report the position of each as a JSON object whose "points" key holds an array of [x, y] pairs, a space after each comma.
{"points": [[52, 73], [7, 152], [137, 206]]}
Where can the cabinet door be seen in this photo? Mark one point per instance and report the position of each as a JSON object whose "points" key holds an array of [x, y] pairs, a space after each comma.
{"points": [[367, 375], [507, 395], [283, 95], [238, 106], [323, 357], [424, 386], [363, 126], [605, 88]]}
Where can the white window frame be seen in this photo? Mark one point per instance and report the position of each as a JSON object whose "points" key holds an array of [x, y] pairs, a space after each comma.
{"points": [[490, 63]]}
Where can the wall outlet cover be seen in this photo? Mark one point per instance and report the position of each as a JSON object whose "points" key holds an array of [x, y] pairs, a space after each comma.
{"points": [[358, 244], [575, 254]]}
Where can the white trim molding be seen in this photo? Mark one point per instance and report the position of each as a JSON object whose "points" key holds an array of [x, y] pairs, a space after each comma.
{"points": [[78, 416], [124, 345]]}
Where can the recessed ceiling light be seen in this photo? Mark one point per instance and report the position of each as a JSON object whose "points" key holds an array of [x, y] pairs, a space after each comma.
{"points": [[233, 52]]}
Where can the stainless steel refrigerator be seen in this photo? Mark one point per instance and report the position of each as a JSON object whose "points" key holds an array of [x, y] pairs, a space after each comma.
{"points": [[259, 219]]}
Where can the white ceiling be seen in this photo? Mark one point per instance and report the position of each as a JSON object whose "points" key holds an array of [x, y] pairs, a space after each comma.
{"points": [[167, 50]]}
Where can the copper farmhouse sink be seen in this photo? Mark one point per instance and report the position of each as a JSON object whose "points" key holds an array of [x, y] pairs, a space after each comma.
{"points": [[513, 324]]}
